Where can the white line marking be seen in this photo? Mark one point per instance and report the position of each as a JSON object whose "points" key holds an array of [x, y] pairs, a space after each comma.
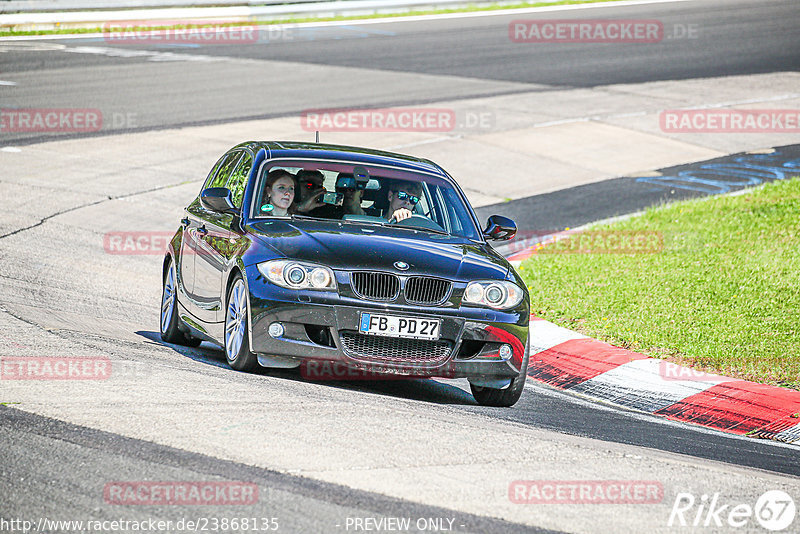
{"points": [[642, 385], [545, 335], [426, 141], [560, 122], [151, 56], [4, 82], [789, 435], [789, 96]]}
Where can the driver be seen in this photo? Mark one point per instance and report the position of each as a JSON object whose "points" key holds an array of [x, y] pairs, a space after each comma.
{"points": [[403, 196]]}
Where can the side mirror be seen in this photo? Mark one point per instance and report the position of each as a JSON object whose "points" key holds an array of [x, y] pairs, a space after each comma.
{"points": [[218, 199], [499, 228]]}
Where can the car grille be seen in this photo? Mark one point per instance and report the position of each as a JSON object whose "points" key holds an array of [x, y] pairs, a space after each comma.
{"points": [[423, 290], [396, 350], [375, 286]]}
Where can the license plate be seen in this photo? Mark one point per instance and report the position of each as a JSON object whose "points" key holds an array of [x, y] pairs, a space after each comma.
{"points": [[395, 326]]}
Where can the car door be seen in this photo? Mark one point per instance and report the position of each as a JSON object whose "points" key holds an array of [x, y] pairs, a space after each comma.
{"points": [[226, 251], [190, 224], [208, 230], [216, 247]]}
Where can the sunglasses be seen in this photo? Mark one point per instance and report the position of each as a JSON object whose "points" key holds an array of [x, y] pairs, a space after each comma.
{"points": [[311, 185], [411, 199]]}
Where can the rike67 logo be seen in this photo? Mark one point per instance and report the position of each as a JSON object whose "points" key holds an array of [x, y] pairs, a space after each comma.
{"points": [[774, 510]]}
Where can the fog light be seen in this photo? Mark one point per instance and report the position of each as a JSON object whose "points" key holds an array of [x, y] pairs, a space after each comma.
{"points": [[275, 330], [320, 278], [505, 351]]}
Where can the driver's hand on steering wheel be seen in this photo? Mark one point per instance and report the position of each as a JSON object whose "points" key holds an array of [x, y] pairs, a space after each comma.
{"points": [[400, 214]]}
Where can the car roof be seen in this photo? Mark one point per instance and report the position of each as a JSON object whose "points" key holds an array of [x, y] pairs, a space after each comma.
{"points": [[297, 149]]}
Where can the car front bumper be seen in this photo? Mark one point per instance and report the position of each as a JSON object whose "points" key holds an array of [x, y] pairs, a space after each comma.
{"points": [[321, 333]]}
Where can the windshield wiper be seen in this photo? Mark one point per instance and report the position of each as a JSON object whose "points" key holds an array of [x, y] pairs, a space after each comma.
{"points": [[415, 227], [310, 217]]}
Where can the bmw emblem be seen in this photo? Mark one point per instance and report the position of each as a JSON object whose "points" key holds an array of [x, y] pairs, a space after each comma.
{"points": [[401, 265]]}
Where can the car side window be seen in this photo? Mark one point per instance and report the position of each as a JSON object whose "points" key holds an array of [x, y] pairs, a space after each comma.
{"points": [[213, 172], [423, 206], [238, 178], [225, 169]]}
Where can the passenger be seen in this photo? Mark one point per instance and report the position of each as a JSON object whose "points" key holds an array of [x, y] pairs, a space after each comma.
{"points": [[403, 196], [311, 189], [279, 193], [351, 205]]}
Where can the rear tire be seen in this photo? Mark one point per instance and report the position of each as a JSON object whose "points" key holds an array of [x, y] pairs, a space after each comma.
{"points": [[237, 343], [508, 396], [169, 311]]}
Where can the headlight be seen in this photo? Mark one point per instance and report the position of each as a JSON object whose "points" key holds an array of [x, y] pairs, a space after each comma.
{"points": [[500, 295], [298, 275]]}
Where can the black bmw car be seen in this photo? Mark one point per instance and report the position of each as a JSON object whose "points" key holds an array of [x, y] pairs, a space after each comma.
{"points": [[302, 254]]}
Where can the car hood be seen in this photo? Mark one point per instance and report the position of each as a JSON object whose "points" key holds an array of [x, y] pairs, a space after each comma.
{"points": [[346, 246]]}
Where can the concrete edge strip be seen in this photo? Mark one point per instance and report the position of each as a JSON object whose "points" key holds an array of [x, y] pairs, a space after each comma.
{"points": [[571, 361], [307, 8]]}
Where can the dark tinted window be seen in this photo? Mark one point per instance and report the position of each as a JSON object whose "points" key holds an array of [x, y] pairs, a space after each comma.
{"points": [[438, 208], [237, 181]]}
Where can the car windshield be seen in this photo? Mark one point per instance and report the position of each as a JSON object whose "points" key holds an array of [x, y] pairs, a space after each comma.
{"points": [[361, 194]]}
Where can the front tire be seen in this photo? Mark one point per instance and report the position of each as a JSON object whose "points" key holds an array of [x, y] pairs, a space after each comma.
{"points": [[508, 396], [237, 343], [169, 311]]}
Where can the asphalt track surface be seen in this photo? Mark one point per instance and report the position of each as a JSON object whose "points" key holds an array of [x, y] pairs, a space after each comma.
{"points": [[287, 73], [584, 204], [50, 463], [50, 466]]}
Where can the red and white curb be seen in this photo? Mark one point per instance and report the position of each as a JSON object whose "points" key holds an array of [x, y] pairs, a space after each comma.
{"points": [[574, 362]]}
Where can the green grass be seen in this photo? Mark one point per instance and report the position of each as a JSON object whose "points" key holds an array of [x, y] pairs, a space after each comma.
{"points": [[722, 295], [298, 20]]}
